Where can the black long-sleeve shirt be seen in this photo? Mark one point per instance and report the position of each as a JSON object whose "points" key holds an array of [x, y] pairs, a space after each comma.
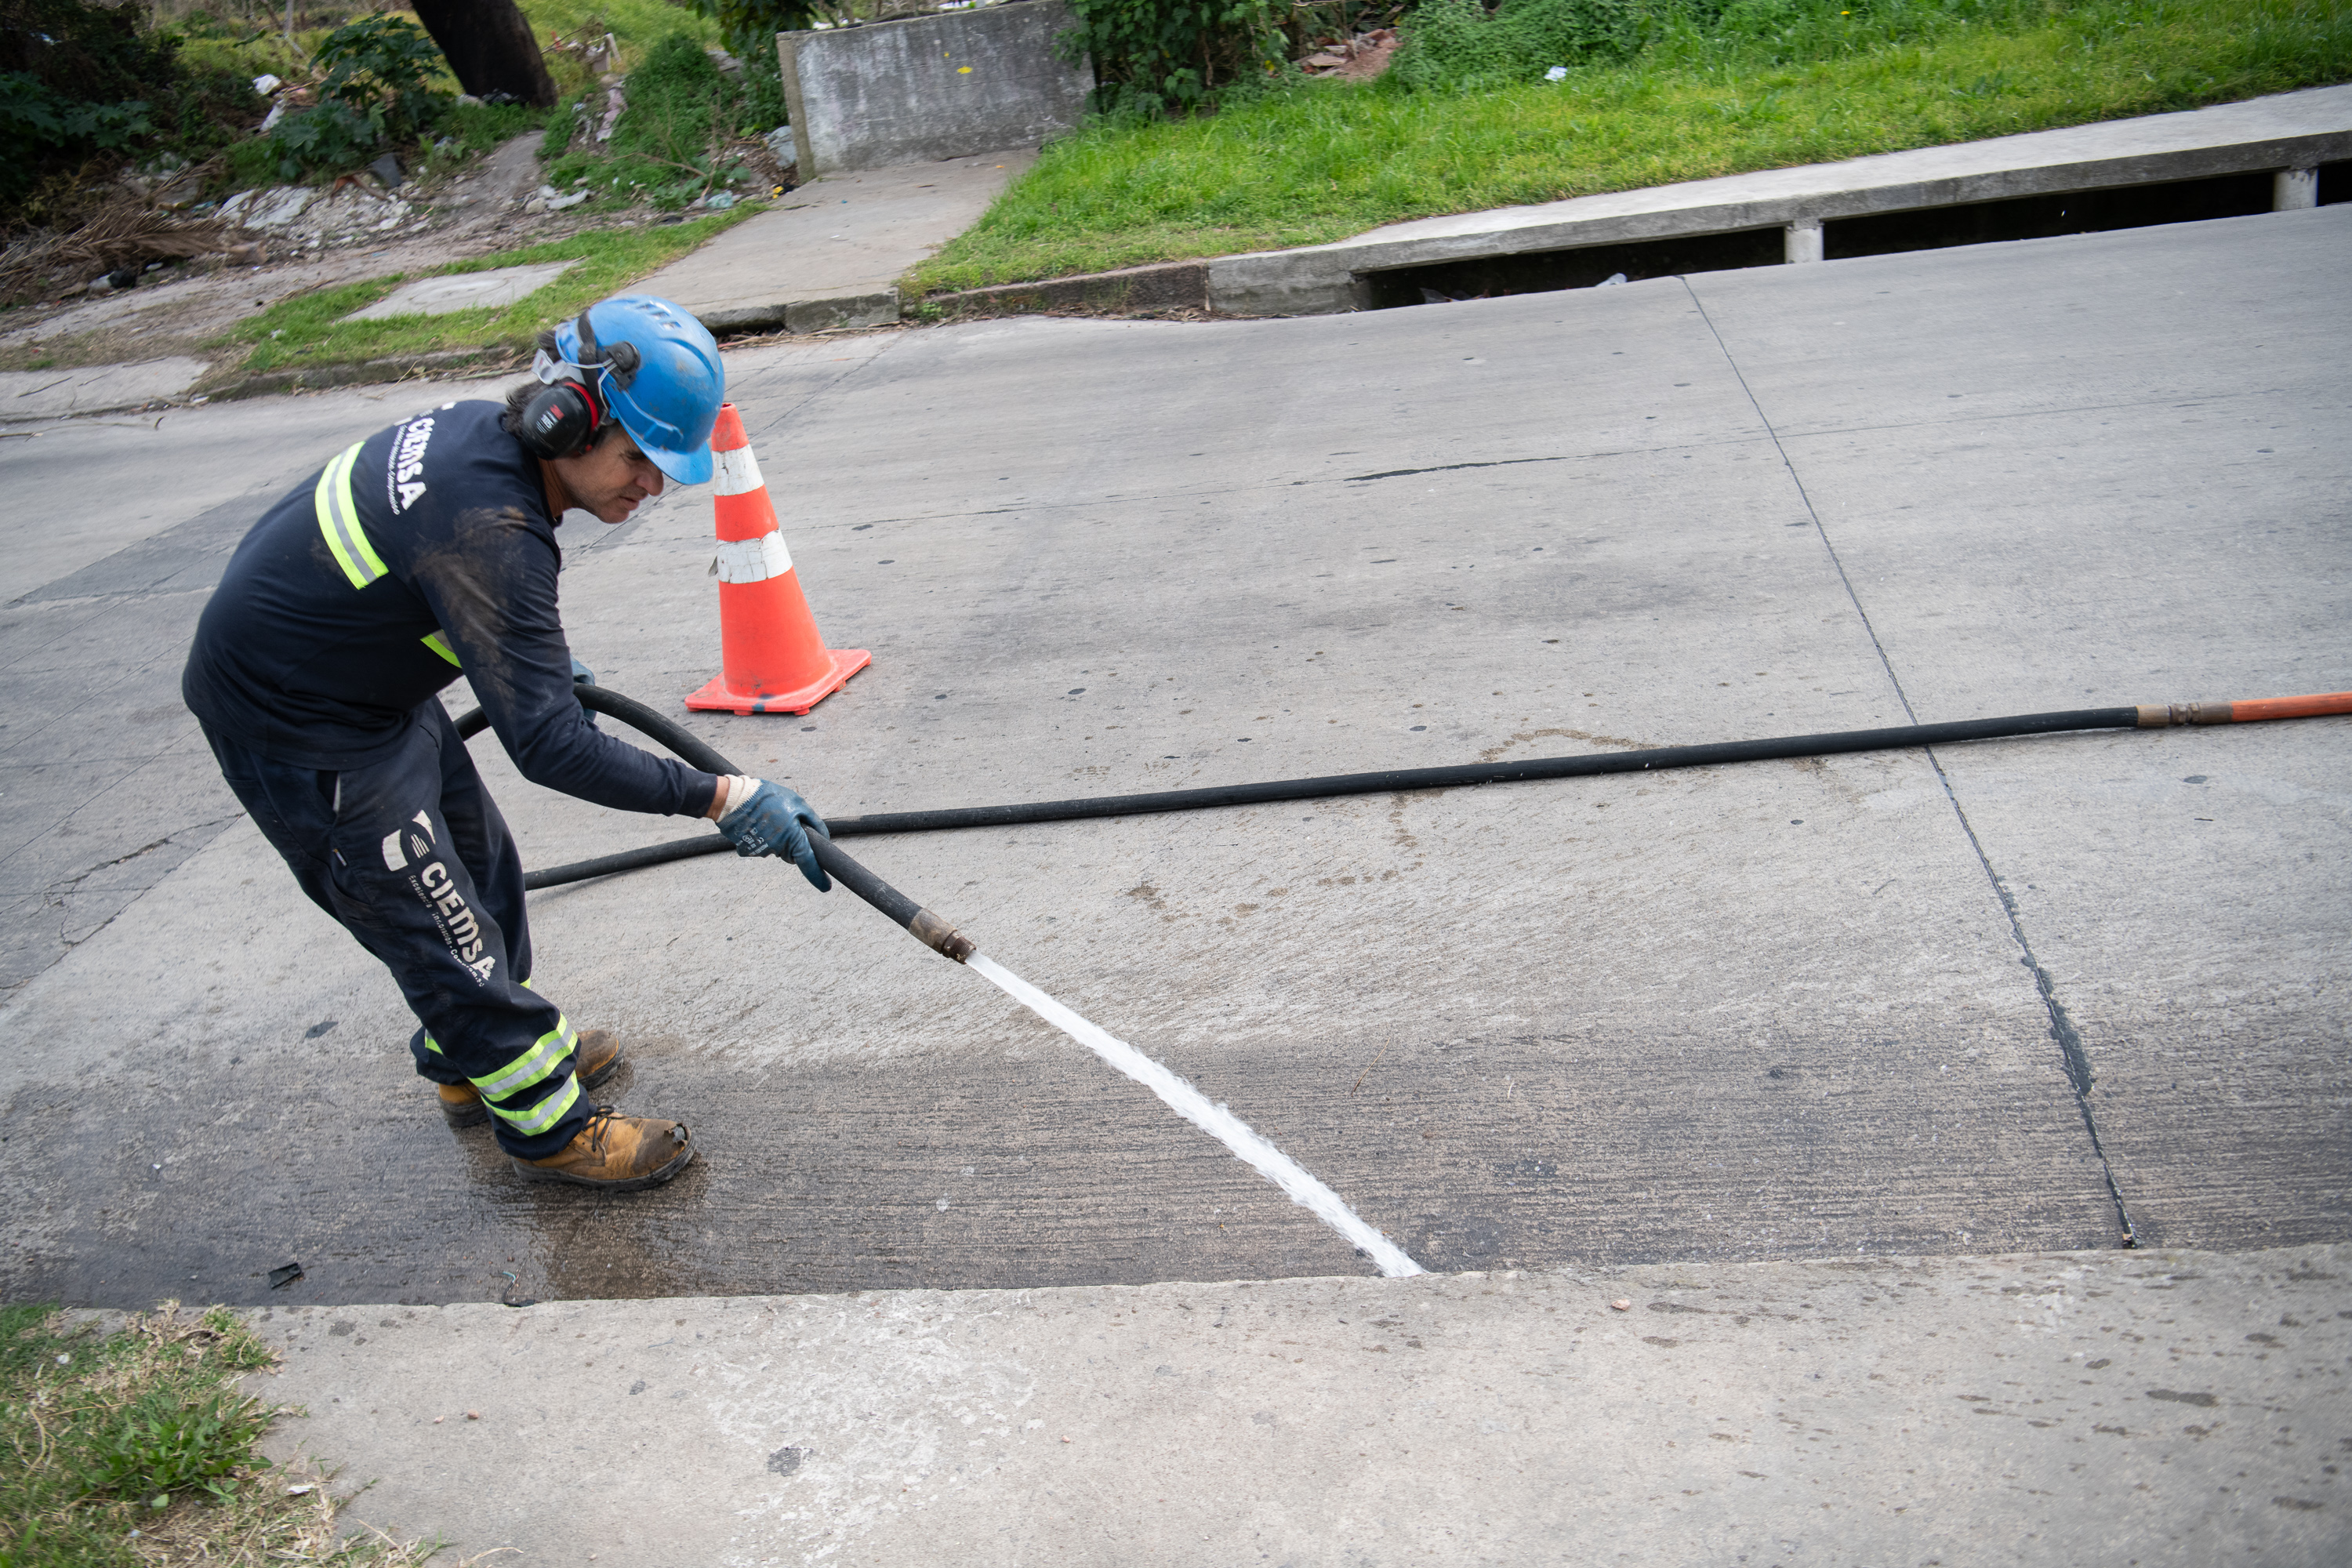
{"points": [[422, 552]]}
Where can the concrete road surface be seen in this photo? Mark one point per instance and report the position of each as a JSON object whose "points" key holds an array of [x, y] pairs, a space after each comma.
{"points": [[2009, 997]]}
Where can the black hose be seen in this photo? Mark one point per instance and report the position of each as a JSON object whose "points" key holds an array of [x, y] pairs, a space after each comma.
{"points": [[931, 930], [692, 748]]}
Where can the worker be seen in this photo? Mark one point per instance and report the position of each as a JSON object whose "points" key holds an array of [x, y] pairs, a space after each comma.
{"points": [[425, 552]]}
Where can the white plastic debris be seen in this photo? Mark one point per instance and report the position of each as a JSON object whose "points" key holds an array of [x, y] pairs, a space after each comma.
{"points": [[1557, 73], [265, 84]]}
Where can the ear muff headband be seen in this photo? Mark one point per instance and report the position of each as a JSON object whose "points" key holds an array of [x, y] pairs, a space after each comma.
{"points": [[563, 420]]}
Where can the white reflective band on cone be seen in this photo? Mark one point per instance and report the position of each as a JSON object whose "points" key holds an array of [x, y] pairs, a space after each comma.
{"points": [[738, 473], [753, 560]]}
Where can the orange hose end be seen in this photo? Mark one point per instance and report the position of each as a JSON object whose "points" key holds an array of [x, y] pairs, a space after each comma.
{"points": [[2314, 707]]}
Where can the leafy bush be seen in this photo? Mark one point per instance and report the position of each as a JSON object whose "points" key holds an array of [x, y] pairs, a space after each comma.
{"points": [[1457, 44], [378, 90], [750, 28], [670, 145], [331, 137], [77, 81], [1154, 57], [382, 68]]}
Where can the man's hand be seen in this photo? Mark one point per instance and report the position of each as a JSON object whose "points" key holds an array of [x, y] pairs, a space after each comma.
{"points": [[765, 819]]}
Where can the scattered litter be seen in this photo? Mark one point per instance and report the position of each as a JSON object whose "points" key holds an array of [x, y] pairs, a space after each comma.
{"points": [[438, 1419], [508, 1298], [473, 1415], [1611, 281], [1361, 57], [65, 1361], [719, 201], [265, 84], [303, 1490], [1621, 1305], [281, 1278], [1557, 73]]}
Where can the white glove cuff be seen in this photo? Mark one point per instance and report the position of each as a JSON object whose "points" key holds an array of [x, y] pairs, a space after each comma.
{"points": [[740, 788]]}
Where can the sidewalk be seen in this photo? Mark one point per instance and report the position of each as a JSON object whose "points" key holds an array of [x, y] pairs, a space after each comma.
{"points": [[2076, 1408], [831, 253]]}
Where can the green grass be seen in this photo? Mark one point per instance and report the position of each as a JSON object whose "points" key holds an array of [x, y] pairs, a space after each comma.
{"points": [[118, 1446], [1319, 161], [640, 22], [308, 329]]}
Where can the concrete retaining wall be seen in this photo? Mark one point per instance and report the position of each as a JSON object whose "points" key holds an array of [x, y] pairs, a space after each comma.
{"points": [[936, 87]]}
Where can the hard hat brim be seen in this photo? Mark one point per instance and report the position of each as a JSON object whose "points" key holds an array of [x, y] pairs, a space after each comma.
{"points": [[687, 466]]}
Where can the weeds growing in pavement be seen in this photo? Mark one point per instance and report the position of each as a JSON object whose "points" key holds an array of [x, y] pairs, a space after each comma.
{"points": [[136, 1448], [1712, 89]]}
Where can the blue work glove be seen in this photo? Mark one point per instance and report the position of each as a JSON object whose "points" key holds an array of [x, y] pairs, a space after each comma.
{"points": [[776, 819], [583, 676]]}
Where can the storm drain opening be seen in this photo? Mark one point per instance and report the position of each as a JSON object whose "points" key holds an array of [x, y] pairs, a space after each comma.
{"points": [[2047, 218], [1543, 271], [1882, 234]]}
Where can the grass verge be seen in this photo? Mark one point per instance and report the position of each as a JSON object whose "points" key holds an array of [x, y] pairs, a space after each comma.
{"points": [[310, 329], [136, 1448], [1318, 161]]}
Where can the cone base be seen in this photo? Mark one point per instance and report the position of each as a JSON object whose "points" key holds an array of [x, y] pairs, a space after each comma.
{"points": [[841, 663]]}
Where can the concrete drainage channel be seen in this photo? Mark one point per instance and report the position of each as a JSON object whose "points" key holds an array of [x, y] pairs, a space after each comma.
{"points": [[1836, 239], [2280, 154]]}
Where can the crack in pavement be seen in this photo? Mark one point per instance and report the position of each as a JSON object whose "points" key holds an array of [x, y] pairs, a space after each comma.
{"points": [[2072, 1059]]}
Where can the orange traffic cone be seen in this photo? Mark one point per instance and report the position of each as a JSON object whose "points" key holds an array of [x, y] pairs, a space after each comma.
{"points": [[772, 659]]}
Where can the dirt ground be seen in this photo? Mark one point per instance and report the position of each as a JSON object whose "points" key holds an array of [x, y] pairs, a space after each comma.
{"points": [[183, 311]]}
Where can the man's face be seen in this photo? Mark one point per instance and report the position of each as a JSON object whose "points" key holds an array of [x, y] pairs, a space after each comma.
{"points": [[611, 477]]}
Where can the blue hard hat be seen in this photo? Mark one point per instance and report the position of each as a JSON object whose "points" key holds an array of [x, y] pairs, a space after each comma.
{"points": [[670, 399]]}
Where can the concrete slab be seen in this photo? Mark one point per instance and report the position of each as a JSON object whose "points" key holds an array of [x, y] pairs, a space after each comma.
{"points": [[2293, 131], [1776, 1012], [2174, 1408], [832, 255], [2008, 451], [94, 389], [440, 296]]}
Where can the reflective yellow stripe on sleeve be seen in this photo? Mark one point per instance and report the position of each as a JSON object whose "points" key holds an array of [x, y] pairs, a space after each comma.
{"points": [[339, 519], [440, 645]]}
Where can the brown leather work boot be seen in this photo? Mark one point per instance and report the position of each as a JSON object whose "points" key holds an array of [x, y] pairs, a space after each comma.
{"points": [[621, 1154], [597, 1058]]}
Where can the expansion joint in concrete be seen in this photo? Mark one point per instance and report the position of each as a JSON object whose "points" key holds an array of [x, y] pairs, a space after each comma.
{"points": [[2072, 1057]]}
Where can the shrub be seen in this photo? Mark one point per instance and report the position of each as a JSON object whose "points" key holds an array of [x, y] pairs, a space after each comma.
{"points": [[382, 68], [750, 28], [1457, 44], [1153, 57]]}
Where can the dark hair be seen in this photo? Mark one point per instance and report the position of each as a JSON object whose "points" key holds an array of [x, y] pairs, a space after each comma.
{"points": [[520, 396]]}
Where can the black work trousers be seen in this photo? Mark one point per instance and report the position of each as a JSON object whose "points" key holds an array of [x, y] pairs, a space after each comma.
{"points": [[411, 856]]}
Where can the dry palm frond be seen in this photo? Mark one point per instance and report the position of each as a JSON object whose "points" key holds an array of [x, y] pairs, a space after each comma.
{"points": [[123, 234]]}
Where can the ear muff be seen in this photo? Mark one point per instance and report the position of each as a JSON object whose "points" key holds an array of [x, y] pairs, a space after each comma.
{"points": [[559, 420], [562, 419]]}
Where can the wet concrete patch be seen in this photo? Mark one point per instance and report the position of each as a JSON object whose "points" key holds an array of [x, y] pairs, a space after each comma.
{"points": [[951, 1170]]}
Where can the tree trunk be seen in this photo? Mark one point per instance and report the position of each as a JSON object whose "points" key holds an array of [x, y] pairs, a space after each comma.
{"points": [[489, 48]]}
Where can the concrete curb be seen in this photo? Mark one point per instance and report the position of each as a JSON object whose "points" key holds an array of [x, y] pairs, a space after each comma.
{"points": [[397, 367], [1166, 286], [805, 315], [2110, 1406]]}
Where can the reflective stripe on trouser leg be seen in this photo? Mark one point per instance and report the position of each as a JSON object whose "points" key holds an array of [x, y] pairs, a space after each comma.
{"points": [[530, 1115], [423, 873]]}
